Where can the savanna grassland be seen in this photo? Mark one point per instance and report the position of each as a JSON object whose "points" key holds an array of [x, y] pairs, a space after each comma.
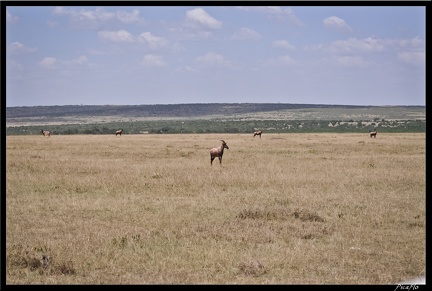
{"points": [[150, 209]]}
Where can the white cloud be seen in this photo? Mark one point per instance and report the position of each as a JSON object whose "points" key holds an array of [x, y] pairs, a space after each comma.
{"points": [[84, 15], [116, 36], [369, 44], [336, 23], [154, 42], [276, 12], [286, 60], [17, 47], [86, 18], [127, 17], [10, 18], [190, 69], [201, 17], [416, 42], [52, 62], [99, 14], [67, 64], [52, 24], [202, 35], [189, 30], [186, 69], [213, 60], [283, 44], [80, 60], [246, 34], [153, 61], [412, 57], [60, 10], [178, 47], [48, 62]]}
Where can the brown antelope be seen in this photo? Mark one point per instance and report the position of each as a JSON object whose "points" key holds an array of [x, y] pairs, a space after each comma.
{"points": [[46, 133], [373, 134], [119, 132], [218, 152], [257, 132]]}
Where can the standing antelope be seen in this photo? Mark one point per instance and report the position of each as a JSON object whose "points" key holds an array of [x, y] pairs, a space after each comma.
{"points": [[46, 133], [373, 134], [119, 132], [218, 152], [257, 132]]}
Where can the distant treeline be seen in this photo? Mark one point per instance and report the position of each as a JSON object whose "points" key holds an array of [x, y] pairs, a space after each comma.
{"points": [[226, 126]]}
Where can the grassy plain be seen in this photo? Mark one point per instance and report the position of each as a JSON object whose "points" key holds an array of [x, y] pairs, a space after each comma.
{"points": [[150, 209]]}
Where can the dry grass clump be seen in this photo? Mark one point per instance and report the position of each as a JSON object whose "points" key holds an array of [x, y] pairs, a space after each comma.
{"points": [[150, 209], [38, 260]]}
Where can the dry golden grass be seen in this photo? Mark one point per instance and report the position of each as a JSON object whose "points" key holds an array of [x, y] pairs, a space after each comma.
{"points": [[149, 209]]}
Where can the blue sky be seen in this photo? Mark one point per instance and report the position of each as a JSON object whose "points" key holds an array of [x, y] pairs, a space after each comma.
{"points": [[134, 55]]}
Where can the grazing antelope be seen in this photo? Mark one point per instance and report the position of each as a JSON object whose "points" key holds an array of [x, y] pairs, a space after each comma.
{"points": [[218, 152], [373, 134], [46, 133], [119, 132], [257, 132]]}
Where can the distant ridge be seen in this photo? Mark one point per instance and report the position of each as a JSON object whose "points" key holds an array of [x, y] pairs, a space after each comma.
{"points": [[213, 117], [165, 110]]}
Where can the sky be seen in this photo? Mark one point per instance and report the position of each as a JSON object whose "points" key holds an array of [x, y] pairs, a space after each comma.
{"points": [[135, 55]]}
